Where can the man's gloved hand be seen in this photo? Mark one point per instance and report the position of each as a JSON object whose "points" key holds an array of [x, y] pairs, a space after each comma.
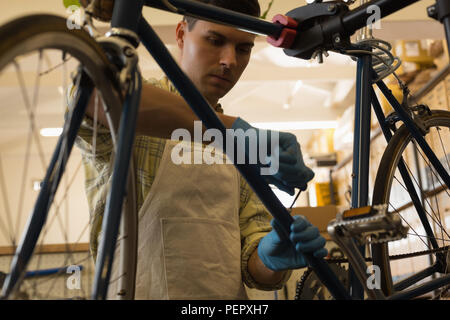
{"points": [[278, 253], [292, 172]]}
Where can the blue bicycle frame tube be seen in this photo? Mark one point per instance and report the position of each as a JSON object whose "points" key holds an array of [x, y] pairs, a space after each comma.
{"points": [[51, 181], [204, 111], [361, 142], [422, 289], [409, 123], [114, 201], [416, 277], [48, 272], [361, 151], [126, 14], [221, 15]]}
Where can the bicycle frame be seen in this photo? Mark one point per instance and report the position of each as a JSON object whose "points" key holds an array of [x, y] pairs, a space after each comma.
{"points": [[127, 15]]}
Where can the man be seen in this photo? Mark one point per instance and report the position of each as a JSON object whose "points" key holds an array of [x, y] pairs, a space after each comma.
{"points": [[202, 230]]}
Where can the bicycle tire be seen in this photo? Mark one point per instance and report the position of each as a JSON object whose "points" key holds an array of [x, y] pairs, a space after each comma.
{"points": [[384, 193], [36, 33]]}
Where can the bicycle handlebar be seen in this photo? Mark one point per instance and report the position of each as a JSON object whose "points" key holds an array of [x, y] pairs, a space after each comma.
{"points": [[310, 37], [216, 14]]}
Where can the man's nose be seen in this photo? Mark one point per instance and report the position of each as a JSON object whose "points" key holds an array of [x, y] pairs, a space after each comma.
{"points": [[228, 56]]}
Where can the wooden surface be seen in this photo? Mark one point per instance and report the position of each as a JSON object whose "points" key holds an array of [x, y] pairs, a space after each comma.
{"points": [[50, 248]]}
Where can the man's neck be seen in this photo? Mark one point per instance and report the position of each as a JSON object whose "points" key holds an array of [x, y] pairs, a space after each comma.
{"points": [[212, 101]]}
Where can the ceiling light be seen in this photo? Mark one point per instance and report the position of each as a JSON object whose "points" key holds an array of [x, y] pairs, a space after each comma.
{"points": [[279, 58], [51, 132]]}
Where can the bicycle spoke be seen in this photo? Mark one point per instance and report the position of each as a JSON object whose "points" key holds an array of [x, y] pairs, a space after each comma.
{"points": [[6, 204], [447, 161], [437, 208], [433, 184], [437, 216], [30, 108], [443, 148], [424, 236], [434, 215], [38, 73], [43, 73], [57, 206], [22, 188], [61, 208], [409, 225], [432, 171], [431, 216]]}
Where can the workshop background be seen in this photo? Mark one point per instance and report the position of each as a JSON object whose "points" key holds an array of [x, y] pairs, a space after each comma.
{"points": [[314, 101]]}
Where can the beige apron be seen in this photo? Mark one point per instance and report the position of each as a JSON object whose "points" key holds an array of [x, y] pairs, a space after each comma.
{"points": [[189, 238]]}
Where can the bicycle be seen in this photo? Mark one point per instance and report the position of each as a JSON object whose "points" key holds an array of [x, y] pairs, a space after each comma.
{"points": [[304, 32]]}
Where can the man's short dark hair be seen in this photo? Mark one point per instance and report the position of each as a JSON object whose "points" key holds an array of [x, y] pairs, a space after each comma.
{"points": [[250, 7]]}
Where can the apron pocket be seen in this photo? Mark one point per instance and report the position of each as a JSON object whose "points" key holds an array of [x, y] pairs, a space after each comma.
{"points": [[202, 259]]}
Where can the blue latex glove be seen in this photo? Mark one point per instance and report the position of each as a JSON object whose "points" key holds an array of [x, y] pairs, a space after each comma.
{"points": [[277, 252], [292, 172]]}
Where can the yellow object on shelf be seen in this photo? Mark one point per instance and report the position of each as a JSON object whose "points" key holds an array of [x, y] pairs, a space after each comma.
{"points": [[322, 142], [413, 51], [414, 55], [396, 91], [323, 193]]}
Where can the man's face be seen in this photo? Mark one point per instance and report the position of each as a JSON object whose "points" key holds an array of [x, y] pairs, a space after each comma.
{"points": [[213, 56]]}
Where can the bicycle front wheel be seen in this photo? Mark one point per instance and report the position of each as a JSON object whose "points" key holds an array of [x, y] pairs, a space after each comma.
{"points": [[44, 215], [424, 252]]}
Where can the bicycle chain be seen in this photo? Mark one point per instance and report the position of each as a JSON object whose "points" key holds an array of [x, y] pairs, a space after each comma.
{"points": [[394, 257], [300, 284]]}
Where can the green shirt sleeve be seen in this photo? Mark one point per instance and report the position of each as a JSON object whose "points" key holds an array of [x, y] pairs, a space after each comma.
{"points": [[254, 220]]}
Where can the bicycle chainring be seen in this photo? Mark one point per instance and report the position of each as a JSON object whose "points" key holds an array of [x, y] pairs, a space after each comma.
{"points": [[311, 288]]}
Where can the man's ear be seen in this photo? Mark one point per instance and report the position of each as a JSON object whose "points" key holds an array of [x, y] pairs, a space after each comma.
{"points": [[180, 33]]}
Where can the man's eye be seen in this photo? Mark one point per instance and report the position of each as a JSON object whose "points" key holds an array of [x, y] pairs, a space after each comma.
{"points": [[215, 42], [244, 50]]}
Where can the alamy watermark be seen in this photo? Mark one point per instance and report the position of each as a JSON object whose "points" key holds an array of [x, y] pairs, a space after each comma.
{"points": [[76, 17], [374, 280], [261, 148], [374, 21], [74, 280]]}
